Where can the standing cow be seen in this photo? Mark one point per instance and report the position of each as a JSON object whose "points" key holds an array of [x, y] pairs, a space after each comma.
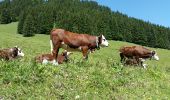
{"points": [[138, 52], [70, 41]]}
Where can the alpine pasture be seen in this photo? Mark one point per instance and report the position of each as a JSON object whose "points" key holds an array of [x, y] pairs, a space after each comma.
{"points": [[101, 77]]}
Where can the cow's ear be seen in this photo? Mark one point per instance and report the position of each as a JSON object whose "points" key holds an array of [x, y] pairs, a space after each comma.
{"points": [[14, 52], [153, 52], [16, 46]]}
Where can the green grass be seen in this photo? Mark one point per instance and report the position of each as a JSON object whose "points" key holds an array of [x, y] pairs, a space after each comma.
{"points": [[101, 77]]}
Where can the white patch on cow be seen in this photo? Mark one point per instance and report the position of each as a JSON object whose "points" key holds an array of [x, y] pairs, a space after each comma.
{"points": [[142, 60], [104, 42], [97, 42], [66, 47], [20, 53], [51, 44], [84, 57], [68, 53], [144, 66], [45, 61], [54, 62], [155, 56], [79, 48], [11, 50]]}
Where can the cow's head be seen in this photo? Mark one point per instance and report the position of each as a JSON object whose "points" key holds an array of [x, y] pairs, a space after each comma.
{"points": [[66, 54], [17, 52], [154, 55], [102, 41]]}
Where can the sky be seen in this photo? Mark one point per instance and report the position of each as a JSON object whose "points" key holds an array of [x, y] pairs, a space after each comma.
{"points": [[154, 11]]}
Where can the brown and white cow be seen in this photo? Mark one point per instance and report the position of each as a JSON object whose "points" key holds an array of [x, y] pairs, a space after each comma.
{"points": [[48, 58], [70, 41], [11, 53], [137, 52], [134, 62]]}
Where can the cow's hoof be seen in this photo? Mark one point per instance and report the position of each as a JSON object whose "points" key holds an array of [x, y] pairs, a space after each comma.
{"points": [[144, 66], [45, 61], [55, 63]]}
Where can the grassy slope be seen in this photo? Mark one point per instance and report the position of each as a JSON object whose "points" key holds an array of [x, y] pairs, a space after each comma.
{"points": [[101, 77]]}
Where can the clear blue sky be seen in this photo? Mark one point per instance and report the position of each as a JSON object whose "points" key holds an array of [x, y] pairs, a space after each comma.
{"points": [[154, 11]]}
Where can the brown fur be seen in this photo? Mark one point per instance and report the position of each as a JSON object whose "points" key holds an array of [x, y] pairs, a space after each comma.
{"points": [[135, 52], [74, 41], [132, 61], [8, 54]]}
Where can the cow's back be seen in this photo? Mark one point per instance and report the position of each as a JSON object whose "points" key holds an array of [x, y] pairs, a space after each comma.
{"points": [[134, 51], [42, 57], [72, 39], [127, 51], [4, 55]]}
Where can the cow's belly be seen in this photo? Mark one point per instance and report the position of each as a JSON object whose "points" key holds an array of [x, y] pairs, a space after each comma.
{"points": [[66, 47]]}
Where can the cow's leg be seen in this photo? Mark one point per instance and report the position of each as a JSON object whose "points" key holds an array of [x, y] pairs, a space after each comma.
{"points": [[137, 59], [122, 57], [142, 63], [85, 51], [55, 52]]}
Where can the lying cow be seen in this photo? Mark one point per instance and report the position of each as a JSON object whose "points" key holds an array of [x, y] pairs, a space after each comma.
{"points": [[70, 41], [11, 53], [134, 62], [48, 58], [137, 52], [131, 61]]}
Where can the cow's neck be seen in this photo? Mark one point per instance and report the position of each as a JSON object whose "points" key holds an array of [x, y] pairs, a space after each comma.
{"points": [[148, 55], [97, 43]]}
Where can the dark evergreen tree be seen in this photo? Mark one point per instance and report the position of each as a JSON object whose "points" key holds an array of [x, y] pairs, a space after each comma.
{"points": [[28, 28], [22, 18], [5, 17]]}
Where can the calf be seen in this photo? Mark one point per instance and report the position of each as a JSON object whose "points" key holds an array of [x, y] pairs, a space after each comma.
{"points": [[137, 52], [70, 41], [11, 53], [48, 58], [131, 61], [134, 62]]}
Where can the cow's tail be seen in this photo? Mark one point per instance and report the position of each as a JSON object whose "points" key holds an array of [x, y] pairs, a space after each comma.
{"points": [[51, 44]]}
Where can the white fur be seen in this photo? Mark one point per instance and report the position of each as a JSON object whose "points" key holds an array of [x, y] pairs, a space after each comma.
{"points": [[45, 61], [155, 56], [104, 42], [68, 53], [144, 66], [97, 41], [142, 60], [20, 53], [54, 62]]}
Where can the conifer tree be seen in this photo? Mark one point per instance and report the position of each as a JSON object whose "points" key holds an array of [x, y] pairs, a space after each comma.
{"points": [[28, 26]]}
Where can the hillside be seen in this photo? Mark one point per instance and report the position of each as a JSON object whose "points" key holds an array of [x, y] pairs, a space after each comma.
{"points": [[82, 16], [101, 77]]}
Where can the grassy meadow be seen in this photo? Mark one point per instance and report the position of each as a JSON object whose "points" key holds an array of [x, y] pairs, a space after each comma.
{"points": [[101, 77]]}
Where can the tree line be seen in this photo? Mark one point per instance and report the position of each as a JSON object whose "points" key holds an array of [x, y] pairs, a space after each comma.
{"points": [[81, 16]]}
